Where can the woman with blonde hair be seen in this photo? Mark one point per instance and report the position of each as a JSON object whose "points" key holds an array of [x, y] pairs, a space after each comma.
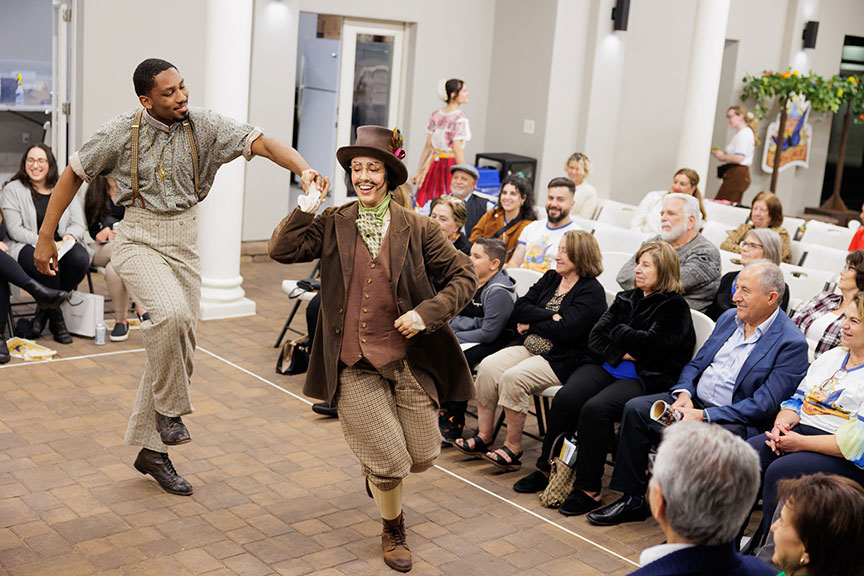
{"points": [[450, 213], [554, 319], [585, 199], [638, 347], [738, 156], [647, 216], [448, 131]]}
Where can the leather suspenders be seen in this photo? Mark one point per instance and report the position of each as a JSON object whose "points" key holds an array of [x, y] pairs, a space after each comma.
{"points": [[136, 124]]}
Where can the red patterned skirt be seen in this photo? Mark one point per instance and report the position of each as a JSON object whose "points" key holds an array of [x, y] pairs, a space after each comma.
{"points": [[437, 180]]}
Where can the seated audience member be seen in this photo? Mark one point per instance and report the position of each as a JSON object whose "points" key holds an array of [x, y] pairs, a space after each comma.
{"points": [[449, 212], [703, 485], [821, 527], [514, 211], [766, 212], [585, 198], [819, 429], [857, 242], [482, 323], [699, 259], [638, 347], [539, 241], [647, 216], [25, 199], [758, 244], [462, 181], [102, 217], [12, 273], [553, 319], [752, 359], [821, 317]]}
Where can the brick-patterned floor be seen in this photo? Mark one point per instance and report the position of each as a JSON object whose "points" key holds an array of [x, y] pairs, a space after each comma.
{"points": [[276, 489]]}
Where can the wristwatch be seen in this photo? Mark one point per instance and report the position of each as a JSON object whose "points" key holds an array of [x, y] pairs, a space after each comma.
{"points": [[705, 416]]}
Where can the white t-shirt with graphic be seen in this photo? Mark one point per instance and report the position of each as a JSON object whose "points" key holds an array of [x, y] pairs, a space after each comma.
{"points": [[541, 244]]}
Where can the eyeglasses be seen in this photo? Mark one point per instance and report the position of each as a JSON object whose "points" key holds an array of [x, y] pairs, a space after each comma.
{"points": [[829, 383], [848, 268], [372, 167], [37, 161], [749, 245]]}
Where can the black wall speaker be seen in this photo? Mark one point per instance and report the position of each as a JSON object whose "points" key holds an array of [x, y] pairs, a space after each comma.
{"points": [[809, 36], [620, 14]]}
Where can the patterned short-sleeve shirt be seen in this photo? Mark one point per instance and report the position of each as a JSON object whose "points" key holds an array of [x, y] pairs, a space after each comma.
{"points": [[445, 127], [165, 172]]}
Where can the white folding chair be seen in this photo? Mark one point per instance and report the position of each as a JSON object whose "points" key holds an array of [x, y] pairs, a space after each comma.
{"points": [[612, 263], [610, 296], [524, 279], [703, 326], [824, 258], [729, 262], [584, 223], [727, 214], [799, 250], [792, 225], [615, 239], [828, 235], [616, 213], [715, 232], [805, 283]]}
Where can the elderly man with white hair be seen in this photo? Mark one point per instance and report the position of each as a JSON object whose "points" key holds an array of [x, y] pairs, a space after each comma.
{"points": [[754, 359], [705, 481], [680, 220]]}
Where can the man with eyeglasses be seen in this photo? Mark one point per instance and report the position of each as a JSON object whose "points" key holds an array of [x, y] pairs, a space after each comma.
{"points": [[164, 157], [754, 359]]}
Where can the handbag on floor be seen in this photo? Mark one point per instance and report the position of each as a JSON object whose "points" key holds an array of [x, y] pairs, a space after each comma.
{"points": [[561, 476], [294, 356], [82, 312]]}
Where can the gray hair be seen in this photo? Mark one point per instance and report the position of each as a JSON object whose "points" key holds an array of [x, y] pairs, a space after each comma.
{"points": [[770, 277], [709, 478], [691, 207], [772, 246]]}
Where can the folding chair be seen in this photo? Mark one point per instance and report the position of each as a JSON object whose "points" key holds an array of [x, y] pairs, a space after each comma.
{"points": [[291, 288]]}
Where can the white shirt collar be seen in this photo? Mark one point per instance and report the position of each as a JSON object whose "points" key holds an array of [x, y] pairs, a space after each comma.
{"points": [[158, 124], [761, 328], [655, 553]]}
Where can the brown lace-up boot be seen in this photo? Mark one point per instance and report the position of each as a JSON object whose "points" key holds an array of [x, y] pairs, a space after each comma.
{"points": [[396, 553]]}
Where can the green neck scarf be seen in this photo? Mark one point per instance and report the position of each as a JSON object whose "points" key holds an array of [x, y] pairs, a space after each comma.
{"points": [[370, 224]]}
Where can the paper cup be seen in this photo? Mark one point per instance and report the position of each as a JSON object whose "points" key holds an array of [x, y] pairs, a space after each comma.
{"points": [[663, 414]]}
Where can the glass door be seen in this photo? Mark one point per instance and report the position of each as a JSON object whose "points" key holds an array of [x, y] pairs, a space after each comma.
{"points": [[370, 84]]}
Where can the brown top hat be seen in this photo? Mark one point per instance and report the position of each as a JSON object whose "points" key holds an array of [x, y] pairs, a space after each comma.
{"points": [[380, 143]]}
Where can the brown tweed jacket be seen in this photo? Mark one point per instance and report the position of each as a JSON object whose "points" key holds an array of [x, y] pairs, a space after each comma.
{"points": [[420, 256]]}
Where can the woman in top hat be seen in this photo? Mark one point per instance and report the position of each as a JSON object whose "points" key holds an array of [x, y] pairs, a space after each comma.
{"points": [[383, 352]]}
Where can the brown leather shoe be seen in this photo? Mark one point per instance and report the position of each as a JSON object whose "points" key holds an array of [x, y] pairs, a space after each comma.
{"points": [[159, 466], [396, 553], [172, 430]]}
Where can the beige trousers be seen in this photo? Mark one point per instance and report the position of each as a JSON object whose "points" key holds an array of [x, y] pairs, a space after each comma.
{"points": [[116, 287], [156, 257], [389, 422], [510, 377]]}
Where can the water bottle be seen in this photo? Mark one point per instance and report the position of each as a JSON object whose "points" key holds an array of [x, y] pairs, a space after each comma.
{"points": [[101, 332], [19, 92]]}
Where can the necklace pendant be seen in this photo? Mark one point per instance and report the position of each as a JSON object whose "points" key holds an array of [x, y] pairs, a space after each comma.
{"points": [[161, 173]]}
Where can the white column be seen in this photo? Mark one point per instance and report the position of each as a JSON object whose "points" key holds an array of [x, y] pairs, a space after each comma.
{"points": [[228, 51], [703, 83]]}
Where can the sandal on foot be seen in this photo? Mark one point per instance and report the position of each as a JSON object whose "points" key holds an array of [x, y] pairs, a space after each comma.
{"points": [[480, 448], [514, 463]]}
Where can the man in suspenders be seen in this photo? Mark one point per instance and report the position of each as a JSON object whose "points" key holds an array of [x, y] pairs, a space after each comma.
{"points": [[164, 158]]}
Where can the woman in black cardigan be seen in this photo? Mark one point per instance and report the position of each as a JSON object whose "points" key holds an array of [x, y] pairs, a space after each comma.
{"points": [[638, 347], [553, 319]]}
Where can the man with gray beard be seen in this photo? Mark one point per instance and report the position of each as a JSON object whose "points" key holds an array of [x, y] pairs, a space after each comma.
{"points": [[681, 220]]}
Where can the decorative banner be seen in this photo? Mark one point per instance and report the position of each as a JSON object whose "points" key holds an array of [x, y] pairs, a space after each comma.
{"points": [[796, 137]]}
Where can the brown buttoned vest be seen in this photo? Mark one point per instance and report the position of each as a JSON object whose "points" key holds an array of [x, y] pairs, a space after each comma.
{"points": [[368, 331]]}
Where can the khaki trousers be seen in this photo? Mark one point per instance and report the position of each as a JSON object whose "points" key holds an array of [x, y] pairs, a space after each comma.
{"points": [[157, 259], [389, 421], [510, 377]]}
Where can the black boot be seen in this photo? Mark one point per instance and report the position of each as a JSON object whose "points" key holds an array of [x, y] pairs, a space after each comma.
{"points": [[4, 352], [37, 325], [58, 326], [46, 297]]}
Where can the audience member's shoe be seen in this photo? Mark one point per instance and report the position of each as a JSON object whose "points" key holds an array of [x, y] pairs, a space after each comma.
{"points": [[159, 466], [172, 430], [451, 430], [477, 450], [46, 297], [58, 326], [143, 317], [578, 503], [625, 509], [534, 482], [37, 324], [511, 463], [396, 553], [4, 352], [120, 332], [325, 409]]}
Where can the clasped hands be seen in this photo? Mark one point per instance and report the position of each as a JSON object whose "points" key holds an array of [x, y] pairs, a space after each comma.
{"points": [[782, 440]]}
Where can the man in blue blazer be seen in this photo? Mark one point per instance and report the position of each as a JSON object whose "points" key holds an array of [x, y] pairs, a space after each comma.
{"points": [[753, 360], [701, 510]]}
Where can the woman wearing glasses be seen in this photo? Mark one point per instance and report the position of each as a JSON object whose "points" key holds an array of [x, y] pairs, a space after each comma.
{"points": [[25, 199], [821, 318], [821, 428], [758, 244]]}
